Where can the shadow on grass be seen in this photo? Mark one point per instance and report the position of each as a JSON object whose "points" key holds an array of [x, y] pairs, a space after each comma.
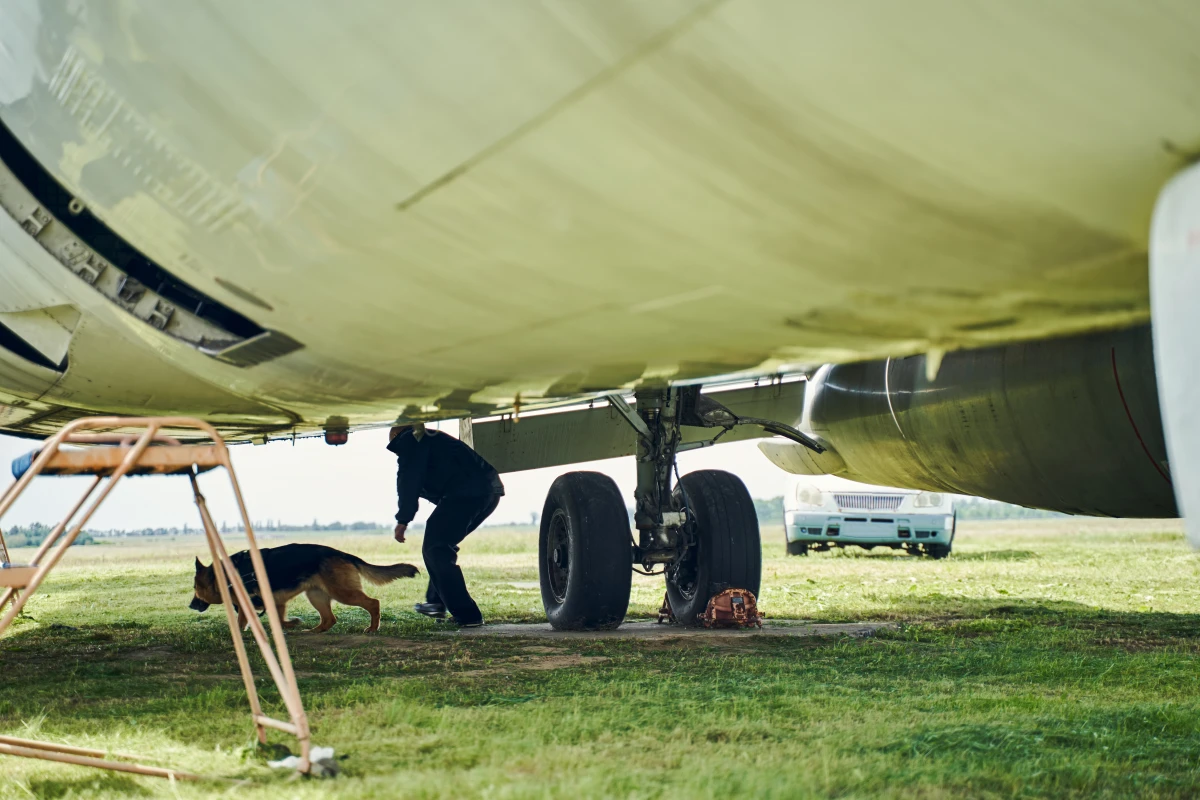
{"points": [[96, 783], [1017, 690], [1058, 614], [154, 674], [880, 553], [939, 608]]}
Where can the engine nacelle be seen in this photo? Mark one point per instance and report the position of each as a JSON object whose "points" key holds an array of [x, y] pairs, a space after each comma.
{"points": [[1068, 424]]}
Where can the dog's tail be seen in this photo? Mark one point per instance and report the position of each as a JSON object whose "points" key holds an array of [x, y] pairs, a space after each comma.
{"points": [[380, 575]]}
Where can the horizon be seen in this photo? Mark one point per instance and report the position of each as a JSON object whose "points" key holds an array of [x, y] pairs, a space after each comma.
{"points": [[366, 469], [310, 480]]}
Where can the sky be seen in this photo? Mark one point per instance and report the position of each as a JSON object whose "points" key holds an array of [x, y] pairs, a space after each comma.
{"points": [[311, 480]]}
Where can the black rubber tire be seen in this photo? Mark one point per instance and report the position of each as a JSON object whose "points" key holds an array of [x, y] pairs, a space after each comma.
{"points": [[728, 553], [937, 550], [797, 548], [585, 515]]}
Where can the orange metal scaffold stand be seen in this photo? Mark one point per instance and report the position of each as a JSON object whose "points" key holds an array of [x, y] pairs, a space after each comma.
{"points": [[112, 457]]}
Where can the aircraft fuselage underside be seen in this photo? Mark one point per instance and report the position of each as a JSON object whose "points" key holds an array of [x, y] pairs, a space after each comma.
{"points": [[217, 223]]}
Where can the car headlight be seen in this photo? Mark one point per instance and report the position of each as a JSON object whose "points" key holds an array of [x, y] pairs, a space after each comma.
{"points": [[808, 497], [927, 500]]}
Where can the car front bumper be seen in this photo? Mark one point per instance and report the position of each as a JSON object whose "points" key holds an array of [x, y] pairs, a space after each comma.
{"points": [[873, 529]]}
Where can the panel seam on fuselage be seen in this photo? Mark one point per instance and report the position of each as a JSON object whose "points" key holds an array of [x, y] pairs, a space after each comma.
{"points": [[887, 392], [655, 43], [1132, 424]]}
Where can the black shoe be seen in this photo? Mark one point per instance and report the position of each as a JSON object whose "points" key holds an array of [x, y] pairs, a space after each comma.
{"points": [[435, 610]]}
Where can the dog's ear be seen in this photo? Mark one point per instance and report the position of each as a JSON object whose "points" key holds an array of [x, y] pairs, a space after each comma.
{"points": [[199, 567]]}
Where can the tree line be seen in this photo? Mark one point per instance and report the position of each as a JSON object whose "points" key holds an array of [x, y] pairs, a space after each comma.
{"points": [[769, 511], [33, 535]]}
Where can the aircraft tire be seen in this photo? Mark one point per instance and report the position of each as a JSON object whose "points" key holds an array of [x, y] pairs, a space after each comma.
{"points": [[584, 553], [728, 551]]}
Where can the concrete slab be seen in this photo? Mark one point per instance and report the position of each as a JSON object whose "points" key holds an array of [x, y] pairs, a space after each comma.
{"points": [[652, 630]]}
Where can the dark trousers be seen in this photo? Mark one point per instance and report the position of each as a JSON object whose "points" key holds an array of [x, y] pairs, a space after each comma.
{"points": [[449, 524]]}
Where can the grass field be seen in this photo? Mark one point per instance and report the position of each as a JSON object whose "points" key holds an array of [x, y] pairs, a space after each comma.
{"points": [[1043, 659]]}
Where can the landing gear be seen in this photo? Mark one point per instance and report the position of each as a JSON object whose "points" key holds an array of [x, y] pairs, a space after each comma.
{"points": [[701, 531], [584, 553], [720, 549]]}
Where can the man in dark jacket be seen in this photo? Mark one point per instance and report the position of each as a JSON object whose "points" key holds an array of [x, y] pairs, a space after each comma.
{"points": [[465, 489]]}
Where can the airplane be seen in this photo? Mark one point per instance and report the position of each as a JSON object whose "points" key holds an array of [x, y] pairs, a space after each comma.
{"points": [[943, 245]]}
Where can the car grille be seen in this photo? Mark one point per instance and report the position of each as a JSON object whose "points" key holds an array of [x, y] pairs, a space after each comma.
{"points": [[868, 502]]}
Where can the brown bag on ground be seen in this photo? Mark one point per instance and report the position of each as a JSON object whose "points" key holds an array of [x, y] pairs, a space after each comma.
{"points": [[732, 608]]}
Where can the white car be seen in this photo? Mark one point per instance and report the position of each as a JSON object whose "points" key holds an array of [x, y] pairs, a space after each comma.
{"points": [[817, 518]]}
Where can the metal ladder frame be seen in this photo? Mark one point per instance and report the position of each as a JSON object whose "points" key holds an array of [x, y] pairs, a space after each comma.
{"points": [[178, 457]]}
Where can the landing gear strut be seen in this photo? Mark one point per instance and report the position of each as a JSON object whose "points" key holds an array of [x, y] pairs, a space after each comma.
{"points": [[701, 530]]}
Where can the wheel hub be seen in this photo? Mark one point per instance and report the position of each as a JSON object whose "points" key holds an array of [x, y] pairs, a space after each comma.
{"points": [[558, 568], [684, 572]]}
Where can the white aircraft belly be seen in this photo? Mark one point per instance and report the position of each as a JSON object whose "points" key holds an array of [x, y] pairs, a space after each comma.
{"points": [[482, 200]]}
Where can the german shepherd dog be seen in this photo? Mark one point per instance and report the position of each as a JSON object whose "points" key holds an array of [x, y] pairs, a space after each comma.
{"points": [[322, 573]]}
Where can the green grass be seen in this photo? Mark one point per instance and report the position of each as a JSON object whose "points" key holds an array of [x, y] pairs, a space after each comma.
{"points": [[1043, 659]]}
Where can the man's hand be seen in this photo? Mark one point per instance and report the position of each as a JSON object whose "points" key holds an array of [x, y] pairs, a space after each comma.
{"points": [[400, 529]]}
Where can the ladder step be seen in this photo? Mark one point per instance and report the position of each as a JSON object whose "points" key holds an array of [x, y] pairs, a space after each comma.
{"points": [[104, 461], [16, 576]]}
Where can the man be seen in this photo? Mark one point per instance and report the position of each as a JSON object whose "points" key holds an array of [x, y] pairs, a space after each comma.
{"points": [[465, 489]]}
